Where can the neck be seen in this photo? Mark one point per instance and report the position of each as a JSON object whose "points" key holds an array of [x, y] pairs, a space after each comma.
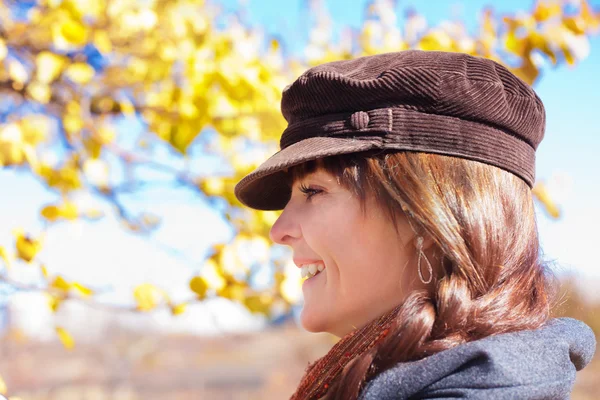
{"points": [[319, 375]]}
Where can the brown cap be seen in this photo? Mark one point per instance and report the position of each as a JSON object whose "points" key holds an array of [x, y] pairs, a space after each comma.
{"points": [[427, 101]]}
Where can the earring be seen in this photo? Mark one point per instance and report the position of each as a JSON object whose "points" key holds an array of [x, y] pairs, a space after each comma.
{"points": [[422, 255]]}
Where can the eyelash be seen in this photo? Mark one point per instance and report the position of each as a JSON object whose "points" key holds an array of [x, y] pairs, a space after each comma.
{"points": [[308, 191]]}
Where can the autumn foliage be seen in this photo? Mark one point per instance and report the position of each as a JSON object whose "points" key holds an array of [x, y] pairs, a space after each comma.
{"points": [[75, 73]]}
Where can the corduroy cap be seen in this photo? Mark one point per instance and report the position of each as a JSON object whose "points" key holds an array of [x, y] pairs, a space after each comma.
{"points": [[426, 101]]}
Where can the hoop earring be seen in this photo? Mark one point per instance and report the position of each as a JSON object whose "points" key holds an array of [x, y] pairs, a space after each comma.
{"points": [[422, 255]]}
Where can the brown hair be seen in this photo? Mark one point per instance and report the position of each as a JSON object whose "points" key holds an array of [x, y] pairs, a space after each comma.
{"points": [[490, 279]]}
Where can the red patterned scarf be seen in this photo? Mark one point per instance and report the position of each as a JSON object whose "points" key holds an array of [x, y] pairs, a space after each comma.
{"points": [[321, 373]]}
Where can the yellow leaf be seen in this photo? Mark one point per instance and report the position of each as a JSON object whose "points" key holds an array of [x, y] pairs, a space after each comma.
{"points": [[183, 134], [150, 220], [568, 54], [259, 303], [105, 134], [514, 44], [66, 211], [177, 309], [269, 217], [212, 186], [54, 302], [230, 261], [84, 290], [147, 18], [102, 41], [96, 171], [527, 71], [187, 109], [17, 72], [93, 214], [540, 42], [127, 107], [212, 275], [199, 286], [51, 213], [30, 156], [291, 285], [92, 146], [222, 107], [82, 8], [104, 104], [72, 123], [546, 10], [11, 133], [73, 32], [44, 271], [11, 145], [40, 92], [35, 128], [591, 18], [64, 179], [27, 247], [235, 291], [65, 338], [5, 257], [61, 284], [575, 24], [488, 25], [436, 40], [3, 50], [147, 296], [3, 388], [48, 66], [80, 73], [541, 193]]}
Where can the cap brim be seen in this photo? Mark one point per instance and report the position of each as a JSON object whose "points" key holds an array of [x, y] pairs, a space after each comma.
{"points": [[267, 187]]}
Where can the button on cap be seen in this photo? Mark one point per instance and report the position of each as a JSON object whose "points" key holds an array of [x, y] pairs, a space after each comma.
{"points": [[359, 120]]}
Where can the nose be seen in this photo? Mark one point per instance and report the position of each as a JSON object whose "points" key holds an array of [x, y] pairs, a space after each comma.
{"points": [[286, 229]]}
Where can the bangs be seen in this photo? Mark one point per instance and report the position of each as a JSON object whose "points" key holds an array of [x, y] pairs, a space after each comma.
{"points": [[349, 170], [334, 165], [355, 172], [362, 174]]}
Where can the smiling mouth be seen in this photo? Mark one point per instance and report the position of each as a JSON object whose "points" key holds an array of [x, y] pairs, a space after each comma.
{"points": [[310, 270]]}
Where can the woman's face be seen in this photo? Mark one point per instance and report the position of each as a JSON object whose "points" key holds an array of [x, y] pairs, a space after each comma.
{"points": [[366, 261]]}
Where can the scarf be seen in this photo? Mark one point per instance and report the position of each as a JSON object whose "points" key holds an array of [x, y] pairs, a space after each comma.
{"points": [[319, 375]]}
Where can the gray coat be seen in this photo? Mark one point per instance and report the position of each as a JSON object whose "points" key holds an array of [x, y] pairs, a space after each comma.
{"points": [[538, 364]]}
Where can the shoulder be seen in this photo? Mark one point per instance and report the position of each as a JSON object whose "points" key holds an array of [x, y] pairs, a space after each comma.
{"points": [[537, 363]]}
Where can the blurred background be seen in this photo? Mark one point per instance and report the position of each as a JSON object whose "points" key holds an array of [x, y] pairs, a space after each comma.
{"points": [[128, 270]]}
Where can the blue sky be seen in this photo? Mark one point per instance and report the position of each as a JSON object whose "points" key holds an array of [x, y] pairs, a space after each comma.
{"points": [[105, 255]]}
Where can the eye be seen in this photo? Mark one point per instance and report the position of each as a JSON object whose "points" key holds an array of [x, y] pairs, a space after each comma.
{"points": [[309, 191]]}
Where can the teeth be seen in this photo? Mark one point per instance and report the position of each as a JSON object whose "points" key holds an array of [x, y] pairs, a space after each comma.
{"points": [[310, 270]]}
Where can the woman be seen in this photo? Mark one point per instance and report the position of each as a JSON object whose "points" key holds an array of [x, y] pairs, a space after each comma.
{"points": [[405, 182]]}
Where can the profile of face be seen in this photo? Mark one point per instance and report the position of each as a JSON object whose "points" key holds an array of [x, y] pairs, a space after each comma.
{"points": [[365, 261]]}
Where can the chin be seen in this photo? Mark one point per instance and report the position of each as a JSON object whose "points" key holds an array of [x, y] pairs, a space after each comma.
{"points": [[312, 321]]}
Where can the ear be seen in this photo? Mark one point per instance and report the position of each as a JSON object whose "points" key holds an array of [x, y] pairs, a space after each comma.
{"points": [[426, 238], [428, 241]]}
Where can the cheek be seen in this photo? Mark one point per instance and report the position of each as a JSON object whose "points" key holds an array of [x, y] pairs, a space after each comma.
{"points": [[375, 259], [331, 228], [354, 247]]}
